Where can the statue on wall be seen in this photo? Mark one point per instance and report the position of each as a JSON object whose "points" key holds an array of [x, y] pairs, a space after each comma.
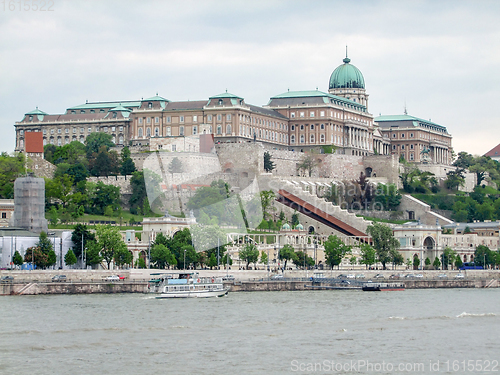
{"points": [[425, 156]]}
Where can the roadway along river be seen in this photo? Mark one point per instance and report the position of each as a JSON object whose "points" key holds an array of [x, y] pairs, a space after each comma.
{"points": [[454, 331]]}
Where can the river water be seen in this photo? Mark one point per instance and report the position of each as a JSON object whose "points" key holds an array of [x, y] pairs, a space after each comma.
{"points": [[454, 331]]}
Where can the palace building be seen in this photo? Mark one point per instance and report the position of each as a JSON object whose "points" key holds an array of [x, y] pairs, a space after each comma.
{"points": [[295, 120]]}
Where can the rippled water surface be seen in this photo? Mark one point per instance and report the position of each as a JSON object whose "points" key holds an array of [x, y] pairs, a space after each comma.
{"points": [[251, 333]]}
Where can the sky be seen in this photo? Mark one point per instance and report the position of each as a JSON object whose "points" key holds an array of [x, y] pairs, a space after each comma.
{"points": [[439, 59]]}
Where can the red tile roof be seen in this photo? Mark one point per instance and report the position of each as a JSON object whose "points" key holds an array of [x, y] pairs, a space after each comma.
{"points": [[494, 152]]}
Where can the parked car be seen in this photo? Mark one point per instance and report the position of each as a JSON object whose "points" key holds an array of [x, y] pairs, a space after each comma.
{"points": [[459, 276], [7, 279], [360, 276], [350, 276], [341, 276], [419, 276], [379, 276], [394, 276], [345, 282], [228, 278], [112, 278], [410, 276], [121, 277], [277, 277], [59, 278], [443, 276]]}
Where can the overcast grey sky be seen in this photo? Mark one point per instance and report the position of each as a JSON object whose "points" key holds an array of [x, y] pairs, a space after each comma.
{"points": [[441, 58]]}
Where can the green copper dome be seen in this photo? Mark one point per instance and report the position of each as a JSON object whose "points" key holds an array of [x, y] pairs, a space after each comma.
{"points": [[347, 76]]}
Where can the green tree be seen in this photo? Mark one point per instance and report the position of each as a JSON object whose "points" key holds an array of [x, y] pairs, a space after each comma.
{"points": [[266, 199], [17, 259], [388, 196], [368, 255], [249, 254], [140, 263], [109, 241], [95, 141], [437, 263], [295, 219], [268, 163], [307, 164], [383, 242], [212, 262], [161, 256], [70, 258], [397, 258], [51, 258], [483, 256], [127, 164], [335, 251], [448, 257], [263, 257], [458, 262], [104, 162], [11, 167], [416, 261], [92, 253], [287, 253], [175, 166], [303, 260], [139, 192], [80, 230], [427, 262], [122, 257]]}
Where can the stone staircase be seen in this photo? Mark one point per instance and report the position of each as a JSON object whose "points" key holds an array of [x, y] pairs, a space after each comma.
{"points": [[341, 214]]}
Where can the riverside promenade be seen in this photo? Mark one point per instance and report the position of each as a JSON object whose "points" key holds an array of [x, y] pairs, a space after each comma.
{"points": [[135, 280]]}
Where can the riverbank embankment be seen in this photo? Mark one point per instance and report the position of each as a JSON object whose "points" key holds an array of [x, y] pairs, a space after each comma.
{"points": [[135, 281]]}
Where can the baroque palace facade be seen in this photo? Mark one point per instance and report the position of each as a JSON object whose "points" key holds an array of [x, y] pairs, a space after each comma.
{"points": [[294, 120]]}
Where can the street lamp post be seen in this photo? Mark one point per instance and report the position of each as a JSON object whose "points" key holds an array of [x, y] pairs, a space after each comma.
{"points": [[184, 258]]}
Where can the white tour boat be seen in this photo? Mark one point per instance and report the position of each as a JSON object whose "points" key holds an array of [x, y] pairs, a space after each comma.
{"points": [[186, 285]]}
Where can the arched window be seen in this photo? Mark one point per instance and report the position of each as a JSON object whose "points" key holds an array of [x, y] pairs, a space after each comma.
{"points": [[148, 132], [140, 133], [302, 138], [181, 130], [157, 132], [219, 129], [311, 138], [228, 129], [292, 139], [120, 139], [322, 138]]}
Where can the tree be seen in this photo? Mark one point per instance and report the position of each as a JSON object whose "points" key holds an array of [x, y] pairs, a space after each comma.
{"points": [[483, 256], [263, 257], [175, 166], [427, 262], [109, 241], [162, 257], [307, 164], [51, 258], [335, 251], [416, 261], [388, 196], [353, 260], [458, 262], [268, 163], [287, 253], [95, 141], [397, 258], [383, 242], [437, 263], [36, 257], [295, 219], [249, 254], [266, 199], [17, 259], [92, 253], [70, 258], [127, 164], [449, 257], [139, 192], [80, 230], [11, 167], [368, 255], [212, 262], [104, 162], [303, 260], [455, 179]]}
